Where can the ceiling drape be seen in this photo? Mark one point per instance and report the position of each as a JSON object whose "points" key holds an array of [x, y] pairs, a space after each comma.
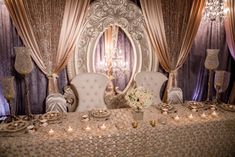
{"points": [[50, 29], [172, 26]]}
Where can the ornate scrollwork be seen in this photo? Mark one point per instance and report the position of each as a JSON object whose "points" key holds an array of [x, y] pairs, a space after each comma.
{"points": [[71, 99], [101, 14]]}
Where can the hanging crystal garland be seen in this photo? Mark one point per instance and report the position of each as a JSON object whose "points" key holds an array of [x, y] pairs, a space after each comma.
{"points": [[214, 10]]}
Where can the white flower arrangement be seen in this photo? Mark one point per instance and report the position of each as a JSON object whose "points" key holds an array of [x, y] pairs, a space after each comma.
{"points": [[139, 98]]}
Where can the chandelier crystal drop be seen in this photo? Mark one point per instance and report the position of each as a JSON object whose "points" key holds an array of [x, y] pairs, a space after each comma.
{"points": [[214, 10]]}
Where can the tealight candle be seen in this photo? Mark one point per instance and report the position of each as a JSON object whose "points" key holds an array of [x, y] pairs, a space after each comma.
{"points": [[194, 108], [177, 118], [31, 131], [51, 132], [203, 115], [164, 111], [44, 124], [103, 127], [70, 129], [213, 108], [85, 118], [214, 113], [88, 128], [190, 116]]}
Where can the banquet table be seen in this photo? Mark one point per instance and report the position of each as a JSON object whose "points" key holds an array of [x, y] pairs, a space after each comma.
{"points": [[211, 136]]}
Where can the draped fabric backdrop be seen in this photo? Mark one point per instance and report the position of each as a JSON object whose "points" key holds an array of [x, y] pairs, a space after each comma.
{"points": [[37, 81], [193, 76], [50, 29], [5, 53], [230, 32], [230, 26], [172, 26], [110, 42]]}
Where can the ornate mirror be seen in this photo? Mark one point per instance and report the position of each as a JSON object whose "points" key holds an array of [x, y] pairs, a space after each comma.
{"points": [[128, 18]]}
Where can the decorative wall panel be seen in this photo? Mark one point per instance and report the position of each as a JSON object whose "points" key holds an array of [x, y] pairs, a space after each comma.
{"points": [[104, 13]]}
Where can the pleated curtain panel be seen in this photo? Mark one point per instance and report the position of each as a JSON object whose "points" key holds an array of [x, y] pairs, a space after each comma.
{"points": [[110, 37], [229, 24], [172, 26], [50, 28]]}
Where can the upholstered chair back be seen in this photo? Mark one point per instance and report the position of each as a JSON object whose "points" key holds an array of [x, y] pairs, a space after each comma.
{"points": [[175, 96], [91, 89], [152, 81]]}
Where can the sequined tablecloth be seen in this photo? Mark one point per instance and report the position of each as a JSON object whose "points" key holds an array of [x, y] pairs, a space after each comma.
{"points": [[197, 137]]}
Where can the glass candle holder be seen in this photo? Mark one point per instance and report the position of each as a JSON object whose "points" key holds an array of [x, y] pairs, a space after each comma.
{"points": [[221, 80], [211, 63], [8, 87], [23, 62]]}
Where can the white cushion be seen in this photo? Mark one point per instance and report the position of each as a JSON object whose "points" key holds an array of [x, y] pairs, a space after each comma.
{"points": [[175, 96]]}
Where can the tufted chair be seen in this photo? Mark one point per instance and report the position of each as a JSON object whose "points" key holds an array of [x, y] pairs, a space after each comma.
{"points": [[175, 96], [152, 81], [90, 88]]}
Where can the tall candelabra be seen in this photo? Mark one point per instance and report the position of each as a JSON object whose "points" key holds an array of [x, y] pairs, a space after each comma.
{"points": [[24, 65], [113, 62], [211, 63], [112, 65]]}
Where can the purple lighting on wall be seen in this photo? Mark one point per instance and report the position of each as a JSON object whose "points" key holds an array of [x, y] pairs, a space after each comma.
{"points": [[198, 91], [4, 109]]}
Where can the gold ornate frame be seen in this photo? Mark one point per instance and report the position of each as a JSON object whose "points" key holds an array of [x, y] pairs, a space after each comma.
{"points": [[101, 14]]}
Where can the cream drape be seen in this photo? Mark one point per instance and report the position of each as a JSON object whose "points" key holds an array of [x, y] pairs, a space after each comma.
{"points": [[18, 14], [230, 36], [172, 50], [50, 29], [108, 46], [74, 14], [110, 38], [230, 26]]}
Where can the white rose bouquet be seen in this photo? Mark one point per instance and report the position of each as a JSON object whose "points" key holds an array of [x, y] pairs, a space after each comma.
{"points": [[139, 98]]}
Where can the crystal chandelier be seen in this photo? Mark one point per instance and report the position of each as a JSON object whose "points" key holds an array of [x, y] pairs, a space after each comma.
{"points": [[214, 10], [113, 62]]}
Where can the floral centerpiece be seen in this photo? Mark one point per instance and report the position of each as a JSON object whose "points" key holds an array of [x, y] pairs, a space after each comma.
{"points": [[139, 98]]}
